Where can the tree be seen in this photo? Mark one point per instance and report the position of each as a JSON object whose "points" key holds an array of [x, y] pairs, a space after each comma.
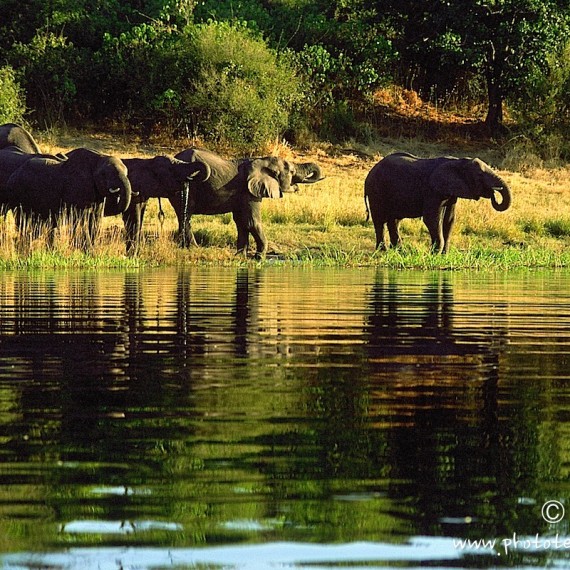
{"points": [[512, 38], [502, 41]]}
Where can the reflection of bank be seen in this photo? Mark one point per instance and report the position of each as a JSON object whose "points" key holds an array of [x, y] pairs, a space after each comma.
{"points": [[434, 393]]}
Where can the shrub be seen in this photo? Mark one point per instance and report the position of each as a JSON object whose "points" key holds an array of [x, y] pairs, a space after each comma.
{"points": [[137, 75], [12, 101], [47, 65], [240, 92]]}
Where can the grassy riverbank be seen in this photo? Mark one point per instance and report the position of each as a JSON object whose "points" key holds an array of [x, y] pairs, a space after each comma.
{"points": [[325, 223]]}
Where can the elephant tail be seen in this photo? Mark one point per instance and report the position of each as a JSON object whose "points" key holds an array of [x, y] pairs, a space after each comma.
{"points": [[367, 206]]}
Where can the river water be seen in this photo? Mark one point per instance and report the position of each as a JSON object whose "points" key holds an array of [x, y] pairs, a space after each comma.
{"points": [[284, 418]]}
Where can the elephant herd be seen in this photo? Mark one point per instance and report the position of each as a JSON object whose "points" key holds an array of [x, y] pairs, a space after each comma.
{"points": [[196, 181]]}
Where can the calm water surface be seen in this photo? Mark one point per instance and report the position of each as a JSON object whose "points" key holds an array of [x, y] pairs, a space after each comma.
{"points": [[284, 418]]}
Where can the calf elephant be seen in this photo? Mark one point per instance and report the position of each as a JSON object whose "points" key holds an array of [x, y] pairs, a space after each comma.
{"points": [[238, 186], [15, 135], [44, 186], [158, 177], [404, 186]]}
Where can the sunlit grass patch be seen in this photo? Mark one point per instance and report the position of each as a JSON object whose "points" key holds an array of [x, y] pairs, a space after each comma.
{"points": [[556, 227], [325, 224]]}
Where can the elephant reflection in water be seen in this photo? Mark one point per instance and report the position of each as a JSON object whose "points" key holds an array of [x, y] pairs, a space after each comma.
{"points": [[419, 324], [434, 394]]}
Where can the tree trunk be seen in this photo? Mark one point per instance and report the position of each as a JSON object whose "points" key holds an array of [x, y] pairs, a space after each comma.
{"points": [[494, 117], [494, 75]]}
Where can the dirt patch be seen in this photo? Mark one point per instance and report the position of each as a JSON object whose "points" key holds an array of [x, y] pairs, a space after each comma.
{"points": [[401, 113]]}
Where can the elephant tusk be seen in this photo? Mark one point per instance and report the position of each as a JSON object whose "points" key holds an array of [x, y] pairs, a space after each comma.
{"points": [[114, 190]]}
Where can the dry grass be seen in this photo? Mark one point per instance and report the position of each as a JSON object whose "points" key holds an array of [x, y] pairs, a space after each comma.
{"points": [[325, 222]]}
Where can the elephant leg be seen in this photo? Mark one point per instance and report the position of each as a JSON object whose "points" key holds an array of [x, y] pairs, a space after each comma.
{"points": [[133, 218], [23, 227], [433, 222], [51, 225], [394, 231], [379, 219], [379, 230], [242, 219], [447, 224], [186, 236], [93, 226], [255, 228], [241, 222], [184, 212]]}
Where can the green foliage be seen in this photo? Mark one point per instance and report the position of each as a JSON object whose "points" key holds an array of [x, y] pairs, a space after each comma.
{"points": [[232, 70], [544, 105], [241, 92], [251, 13], [502, 41], [12, 100], [46, 67], [136, 75]]}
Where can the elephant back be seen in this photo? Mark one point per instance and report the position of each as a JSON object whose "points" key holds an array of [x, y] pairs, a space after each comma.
{"points": [[222, 170], [12, 134]]}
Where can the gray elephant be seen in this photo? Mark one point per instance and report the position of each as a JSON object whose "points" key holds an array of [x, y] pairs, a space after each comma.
{"points": [[43, 186], [238, 186], [404, 186], [15, 135], [158, 177], [11, 158]]}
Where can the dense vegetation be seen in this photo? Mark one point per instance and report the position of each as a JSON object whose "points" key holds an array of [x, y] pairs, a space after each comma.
{"points": [[243, 72]]}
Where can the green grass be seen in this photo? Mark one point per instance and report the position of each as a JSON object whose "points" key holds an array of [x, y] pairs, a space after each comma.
{"points": [[530, 244], [325, 225]]}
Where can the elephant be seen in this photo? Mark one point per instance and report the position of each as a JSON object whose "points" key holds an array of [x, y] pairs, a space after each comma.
{"points": [[11, 158], [402, 185], [158, 177], [15, 135], [43, 186], [238, 186]]}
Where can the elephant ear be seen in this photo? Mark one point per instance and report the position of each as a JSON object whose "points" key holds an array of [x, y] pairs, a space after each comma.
{"points": [[261, 182], [452, 178]]}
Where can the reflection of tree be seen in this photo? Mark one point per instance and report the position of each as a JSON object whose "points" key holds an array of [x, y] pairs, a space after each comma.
{"points": [[230, 397], [418, 417], [91, 372], [435, 384]]}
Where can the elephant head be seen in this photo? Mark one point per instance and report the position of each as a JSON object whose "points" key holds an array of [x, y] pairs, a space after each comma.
{"points": [[470, 178], [270, 177], [163, 176], [107, 173], [113, 185]]}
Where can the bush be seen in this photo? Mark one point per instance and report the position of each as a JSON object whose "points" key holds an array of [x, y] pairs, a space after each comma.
{"points": [[542, 110], [47, 65], [241, 93], [12, 101], [137, 74]]}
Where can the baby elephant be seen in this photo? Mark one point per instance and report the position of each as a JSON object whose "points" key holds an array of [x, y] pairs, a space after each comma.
{"points": [[404, 186]]}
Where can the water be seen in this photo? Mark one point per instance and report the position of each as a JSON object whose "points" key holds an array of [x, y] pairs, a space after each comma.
{"points": [[284, 418]]}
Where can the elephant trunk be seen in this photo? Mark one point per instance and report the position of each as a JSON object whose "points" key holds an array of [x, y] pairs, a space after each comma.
{"points": [[125, 194], [119, 199], [505, 202], [202, 172], [307, 173]]}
